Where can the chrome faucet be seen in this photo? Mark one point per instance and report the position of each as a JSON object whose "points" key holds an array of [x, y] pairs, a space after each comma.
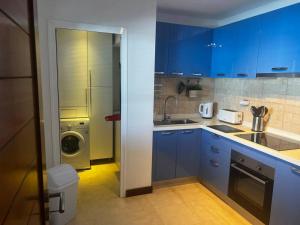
{"points": [[165, 106]]}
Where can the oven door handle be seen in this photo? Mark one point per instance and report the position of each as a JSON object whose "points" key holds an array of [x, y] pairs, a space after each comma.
{"points": [[248, 174]]}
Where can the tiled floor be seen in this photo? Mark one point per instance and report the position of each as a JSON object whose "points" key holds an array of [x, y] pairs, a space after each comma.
{"points": [[184, 204]]}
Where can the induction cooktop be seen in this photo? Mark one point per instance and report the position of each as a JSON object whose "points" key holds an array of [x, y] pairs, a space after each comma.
{"points": [[271, 141], [225, 128]]}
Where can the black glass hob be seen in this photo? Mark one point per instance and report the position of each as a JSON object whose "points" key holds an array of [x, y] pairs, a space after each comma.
{"points": [[225, 128], [271, 141]]}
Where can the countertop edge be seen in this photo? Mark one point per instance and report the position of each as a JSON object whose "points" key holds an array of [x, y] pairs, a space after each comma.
{"points": [[257, 147]]}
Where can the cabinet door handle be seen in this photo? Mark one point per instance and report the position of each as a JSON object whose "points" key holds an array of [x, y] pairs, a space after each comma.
{"points": [[295, 171], [242, 75], [159, 73], [177, 74], [187, 132], [214, 149], [216, 135], [280, 68], [248, 174], [167, 133], [221, 74], [90, 89], [198, 74], [86, 97], [214, 163]]}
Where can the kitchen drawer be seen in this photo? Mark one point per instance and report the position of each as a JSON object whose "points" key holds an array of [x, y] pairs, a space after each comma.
{"points": [[215, 160], [253, 153], [212, 139], [215, 171]]}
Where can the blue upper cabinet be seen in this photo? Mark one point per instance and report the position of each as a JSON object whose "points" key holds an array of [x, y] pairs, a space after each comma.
{"points": [[267, 43], [176, 50], [200, 52], [235, 49], [280, 41], [222, 57], [189, 51], [162, 48], [246, 47], [182, 50]]}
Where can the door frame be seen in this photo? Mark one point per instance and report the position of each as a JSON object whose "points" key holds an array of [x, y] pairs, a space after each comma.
{"points": [[54, 104]]}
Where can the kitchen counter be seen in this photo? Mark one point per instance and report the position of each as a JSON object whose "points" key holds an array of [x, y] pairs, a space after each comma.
{"points": [[291, 156]]}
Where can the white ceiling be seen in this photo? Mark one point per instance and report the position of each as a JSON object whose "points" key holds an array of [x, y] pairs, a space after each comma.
{"points": [[214, 13], [210, 9]]}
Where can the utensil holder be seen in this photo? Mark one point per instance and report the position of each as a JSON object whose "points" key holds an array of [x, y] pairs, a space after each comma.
{"points": [[258, 124]]}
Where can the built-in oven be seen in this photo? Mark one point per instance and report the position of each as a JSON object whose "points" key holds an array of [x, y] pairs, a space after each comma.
{"points": [[251, 185]]}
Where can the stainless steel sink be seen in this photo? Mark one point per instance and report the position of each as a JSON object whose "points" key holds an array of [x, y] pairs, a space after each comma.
{"points": [[173, 122]]}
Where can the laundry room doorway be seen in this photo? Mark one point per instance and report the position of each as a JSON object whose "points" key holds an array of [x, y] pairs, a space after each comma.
{"points": [[88, 83]]}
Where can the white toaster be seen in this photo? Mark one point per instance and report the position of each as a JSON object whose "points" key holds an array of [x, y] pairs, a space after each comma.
{"points": [[230, 116]]}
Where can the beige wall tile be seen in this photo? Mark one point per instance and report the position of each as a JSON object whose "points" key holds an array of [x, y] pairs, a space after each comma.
{"points": [[281, 96], [185, 105]]}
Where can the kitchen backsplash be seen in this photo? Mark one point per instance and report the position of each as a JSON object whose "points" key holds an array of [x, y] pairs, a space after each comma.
{"points": [[281, 96], [185, 105]]}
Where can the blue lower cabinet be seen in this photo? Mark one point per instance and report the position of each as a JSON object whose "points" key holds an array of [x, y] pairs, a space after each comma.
{"points": [[165, 155], [212, 138], [254, 154], [215, 161], [175, 154], [188, 152], [286, 198]]}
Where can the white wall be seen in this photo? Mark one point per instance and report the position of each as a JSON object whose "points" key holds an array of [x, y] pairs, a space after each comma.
{"points": [[138, 17]]}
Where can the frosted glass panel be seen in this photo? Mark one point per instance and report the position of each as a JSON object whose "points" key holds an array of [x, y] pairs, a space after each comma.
{"points": [[101, 131], [100, 55], [72, 69]]}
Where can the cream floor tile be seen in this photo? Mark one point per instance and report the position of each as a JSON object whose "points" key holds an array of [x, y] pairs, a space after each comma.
{"points": [[164, 197], [177, 204], [177, 215]]}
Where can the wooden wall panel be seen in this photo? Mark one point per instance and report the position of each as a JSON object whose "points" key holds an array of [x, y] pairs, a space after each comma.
{"points": [[15, 50], [16, 159], [35, 215], [26, 199], [16, 106], [20, 160], [18, 10]]}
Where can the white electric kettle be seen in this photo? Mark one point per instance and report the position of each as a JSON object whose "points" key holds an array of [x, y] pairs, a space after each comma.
{"points": [[206, 110]]}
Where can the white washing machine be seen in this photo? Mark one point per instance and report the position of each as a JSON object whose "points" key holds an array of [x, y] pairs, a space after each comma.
{"points": [[74, 142]]}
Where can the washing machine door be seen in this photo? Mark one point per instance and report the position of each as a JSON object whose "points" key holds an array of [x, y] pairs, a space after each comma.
{"points": [[72, 143]]}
